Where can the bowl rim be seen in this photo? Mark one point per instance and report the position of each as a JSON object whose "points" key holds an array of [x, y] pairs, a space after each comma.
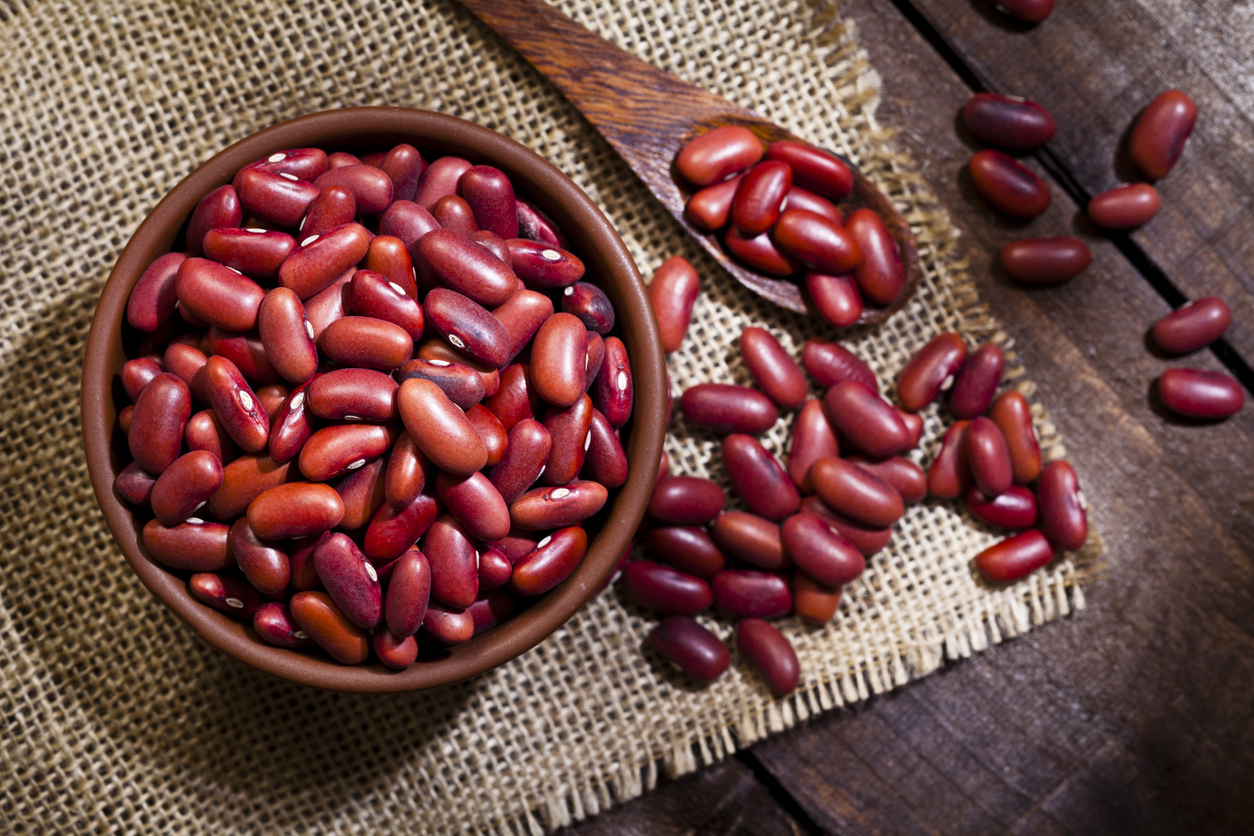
{"points": [[591, 234]]}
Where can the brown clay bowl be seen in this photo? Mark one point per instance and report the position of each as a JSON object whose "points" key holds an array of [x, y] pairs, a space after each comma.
{"points": [[608, 263]]}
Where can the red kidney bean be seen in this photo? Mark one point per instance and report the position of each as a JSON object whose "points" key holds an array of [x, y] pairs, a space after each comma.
{"points": [[243, 480], [755, 207], [388, 256], [716, 154], [537, 226], [725, 408], [361, 491], [750, 538], [353, 395], [1158, 136], [1192, 326], [302, 163], [914, 427], [930, 370], [371, 188], [235, 404], [832, 363], [812, 602], [1014, 557], [273, 621], [335, 450], [370, 294], [393, 651], [880, 276], [326, 624], [759, 479], [673, 292], [494, 244], [516, 399], [437, 349], [462, 384], [366, 342], [605, 461], [593, 359], [407, 473], [865, 419], [155, 437], [819, 242], [524, 459], [332, 207], [857, 493], [612, 392], [814, 168], [772, 368], [350, 580], [330, 304], [522, 315], [219, 209], [866, 539], [184, 486], [548, 508], [690, 647], [409, 592], [439, 428], [559, 359], [279, 198], [393, 531], [320, 259], [227, 595], [903, 474], [300, 561], [770, 654], [491, 609], [543, 265], [836, 298], [819, 552], [454, 563], [1045, 262], [1014, 509], [949, 475], [272, 398], [1029, 11], [406, 221], [799, 198], [686, 500], [244, 350], [290, 427], [152, 300], [591, 305], [439, 179], [665, 590], [194, 545], [403, 165], [491, 432], [468, 326], [448, 625], [124, 419], [265, 566], [976, 385], [812, 439], [760, 252], [287, 335], [136, 374], [257, 253], [1008, 186], [1063, 518], [491, 197], [688, 548], [476, 504], [295, 509], [518, 544], [218, 294], [989, 457], [495, 570], [1008, 121], [466, 267], [1124, 207], [743, 593], [1013, 417], [710, 208], [554, 559], [134, 485]]}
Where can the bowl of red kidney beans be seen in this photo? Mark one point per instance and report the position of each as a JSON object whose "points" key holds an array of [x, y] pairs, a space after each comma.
{"points": [[374, 400]]}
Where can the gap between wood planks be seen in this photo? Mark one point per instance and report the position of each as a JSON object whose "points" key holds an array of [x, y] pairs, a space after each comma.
{"points": [[1065, 180], [779, 793]]}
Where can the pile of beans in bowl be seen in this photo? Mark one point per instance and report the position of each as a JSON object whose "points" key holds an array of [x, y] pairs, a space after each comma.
{"points": [[373, 401]]}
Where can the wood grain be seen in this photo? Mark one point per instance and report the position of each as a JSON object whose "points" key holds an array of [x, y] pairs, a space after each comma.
{"points": [[648, 115]]}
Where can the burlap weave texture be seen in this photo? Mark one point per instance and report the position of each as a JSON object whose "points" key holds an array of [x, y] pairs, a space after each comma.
{"points": [[116, 720]]}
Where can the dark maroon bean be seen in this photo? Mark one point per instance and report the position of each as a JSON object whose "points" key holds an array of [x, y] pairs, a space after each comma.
{"points": [[1008, 186], [302, 163], [476, 504], [407, 473], [772, 368], [949, 475], [257, 253], [770, 654], [673, 292], [161, 412], [184, 486], [491, 196], [439, 179], [743, 593], [518, 544], [516, 399], [1192, 326], [726, 408], [322, 620], [817, 242], [194, 545], [265, 566], [591, 305], [494, 244], [524, 459], [218, 294], [437, 348], [710, 208], [665, 590], [295, 509], [857, 493], [1014, 557], [353, 395], [330, 304], [880, 276], [836, 298], [409, 592], [462, 384], [688, 548], [814, 168], [605, 461], [439, 428], [235, 404], [819, 552], [759, 479], [408, 222], [686, 500], [1014, 509], [593, 359], [1063, 517], [760, 252], [220, 209], [490, 430], [227, 595], [274, 623], [548, 508], [290, 428], [279, 198], [245, 350], [799, 198], [136, 374], [690, 647], [903, 474], [750, 538], [717, 154], [491, 609], [812, 439], [989, 457], [495, 569], [393, 531], [454, 214], [1013, 417], [755, 207], [1008, 121], [366, 342], [335, 450], [1157, 139], [371, 188], [554, 559], [468, 326], [370, 294], [522, 315], [1124, 207], [866, 539], [332, 207], [832, 363], [454, 564], [1029, 11], [403, 165], [152, 300], [134, 485], [537, 226], [931, 370], [287, 335], [361, 491], [864, 418], [559, 359], [205, 432], [542, 265], [321, 259], [976, 385], [612, 392]]}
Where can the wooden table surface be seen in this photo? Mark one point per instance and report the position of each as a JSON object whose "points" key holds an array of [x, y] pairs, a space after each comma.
{"points": [[1136, 715]]}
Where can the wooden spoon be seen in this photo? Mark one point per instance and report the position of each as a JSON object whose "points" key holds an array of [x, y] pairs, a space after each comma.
{"points": [[648, 115]]}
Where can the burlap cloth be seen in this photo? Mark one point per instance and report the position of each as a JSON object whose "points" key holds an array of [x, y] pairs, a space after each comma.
{"points": [[116, 719]]}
